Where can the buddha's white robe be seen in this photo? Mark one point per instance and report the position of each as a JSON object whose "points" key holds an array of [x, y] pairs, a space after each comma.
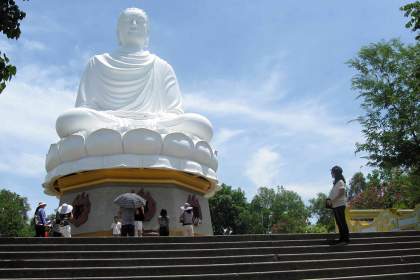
{"points": [[124, 91], [122, 83]]}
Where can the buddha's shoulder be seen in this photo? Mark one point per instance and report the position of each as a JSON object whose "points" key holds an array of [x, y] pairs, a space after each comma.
{"points": [[97, 58], [161, 61]]}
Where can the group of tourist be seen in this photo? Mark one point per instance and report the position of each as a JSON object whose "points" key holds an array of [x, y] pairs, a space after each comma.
{"points": [[129, 221], [59, 226]]}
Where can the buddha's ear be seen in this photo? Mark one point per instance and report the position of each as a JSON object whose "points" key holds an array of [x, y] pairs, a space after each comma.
{"points": [[119, 37]]}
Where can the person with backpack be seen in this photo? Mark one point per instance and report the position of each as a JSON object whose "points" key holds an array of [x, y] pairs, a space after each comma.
{"points": [[55, 229], [126, 216], [163, 223], [65, 215], [186, 219], [40, 220]]}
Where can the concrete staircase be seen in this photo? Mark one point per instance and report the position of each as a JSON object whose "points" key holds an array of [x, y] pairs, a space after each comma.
{"points": [[297, 256]]}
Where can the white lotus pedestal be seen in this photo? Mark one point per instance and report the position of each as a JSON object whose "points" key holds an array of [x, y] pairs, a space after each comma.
{"points": [[168, 170]]}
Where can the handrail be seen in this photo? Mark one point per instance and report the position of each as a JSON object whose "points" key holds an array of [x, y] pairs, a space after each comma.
{"points": [[376, 220]]}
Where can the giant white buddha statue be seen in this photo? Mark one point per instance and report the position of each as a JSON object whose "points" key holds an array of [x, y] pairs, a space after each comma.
{"points": [[129, 114], [131, 88]]}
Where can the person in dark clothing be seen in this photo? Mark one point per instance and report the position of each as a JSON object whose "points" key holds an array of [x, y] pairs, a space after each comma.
{"points": [[40, 220], [337, 201], [56, 226], [163, 223], [138, 222], [127, 221]]}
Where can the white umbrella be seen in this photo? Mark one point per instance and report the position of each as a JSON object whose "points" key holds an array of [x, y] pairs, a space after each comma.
{"points": [[65, 209], [130, 200]]}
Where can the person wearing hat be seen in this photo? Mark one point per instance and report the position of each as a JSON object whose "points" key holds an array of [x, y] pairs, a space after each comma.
{"points": [[65, 214], [40, 220], [337, 201], [186, 219]]}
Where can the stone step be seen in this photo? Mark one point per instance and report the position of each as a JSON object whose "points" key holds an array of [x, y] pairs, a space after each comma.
{"points": [[285, 256], [194, 245], [74, 254], [115, 262], [216, 238], [319, 273], [392, 276]]}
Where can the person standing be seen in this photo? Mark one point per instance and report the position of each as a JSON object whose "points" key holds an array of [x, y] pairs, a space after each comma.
{"points": [[186, 219], [116, 227], [337, 201], [163, 223], [127, 221], [56, 232], [40, 220], [66, 214], [138, 222]]}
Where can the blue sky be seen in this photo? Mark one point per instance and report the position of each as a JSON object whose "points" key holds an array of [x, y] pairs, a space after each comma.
{"points": [[270, 75]]}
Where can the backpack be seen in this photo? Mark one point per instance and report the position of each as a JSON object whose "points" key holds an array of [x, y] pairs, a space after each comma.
{"points": [[36, 219], [163, 221]]}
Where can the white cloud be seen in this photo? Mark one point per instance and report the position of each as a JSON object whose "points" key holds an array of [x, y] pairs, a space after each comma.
{"points": [[33, 45], [225, 135], [307, 130], [308, 190], [308, 117], [24, 164], [5, 46], [263, 168], [31, 103], [28, 108]]}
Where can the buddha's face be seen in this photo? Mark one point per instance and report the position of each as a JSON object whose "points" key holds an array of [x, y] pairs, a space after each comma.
{"points": [[133, 28]]}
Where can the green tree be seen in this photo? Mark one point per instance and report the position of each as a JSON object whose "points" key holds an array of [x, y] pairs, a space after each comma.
{"points": [[280, 209], [357, 185], [388, 81], [388, 189], [13, 215], [316, 229], [412, 10], [228, 209], [324, 216], [10, 18], [401, 190]]}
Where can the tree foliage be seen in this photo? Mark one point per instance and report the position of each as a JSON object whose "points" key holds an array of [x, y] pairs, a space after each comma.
{"points": [[271, 210], [228, 209], [412, 10], [13, 214], [388, 81], [10, 18], [388, 189], [357, 185], [325, 217]]}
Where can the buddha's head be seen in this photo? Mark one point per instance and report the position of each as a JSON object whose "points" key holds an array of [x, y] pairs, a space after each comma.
{"points": [[133, 29]]}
